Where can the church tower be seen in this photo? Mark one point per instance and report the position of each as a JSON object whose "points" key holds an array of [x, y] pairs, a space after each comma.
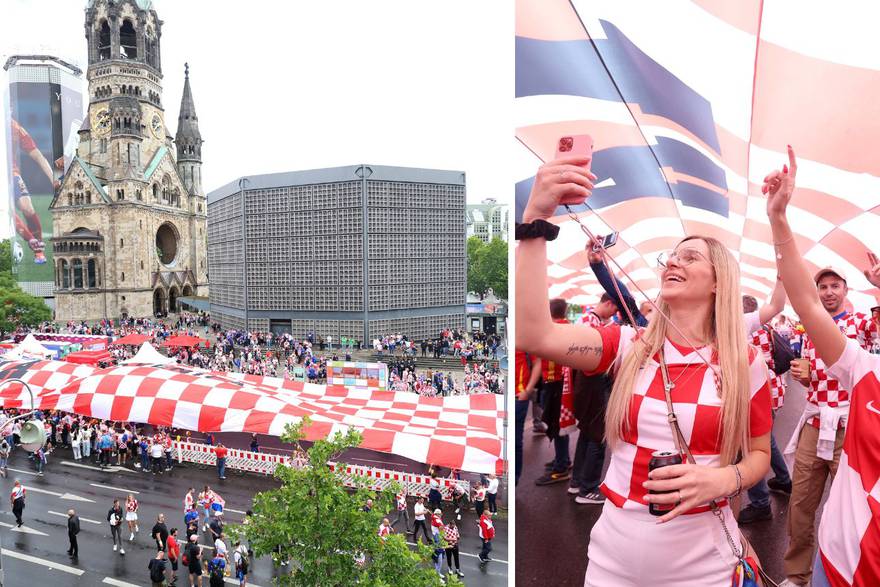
{"points": [[130, 220]]}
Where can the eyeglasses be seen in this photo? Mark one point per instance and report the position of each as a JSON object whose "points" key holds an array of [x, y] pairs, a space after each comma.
{"points": [[683, 257]]}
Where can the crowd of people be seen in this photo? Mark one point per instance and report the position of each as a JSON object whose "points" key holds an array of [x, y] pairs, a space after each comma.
{"points": [[474, 346], [307, 358], [479, 378], [125, 445], [701, 371]]}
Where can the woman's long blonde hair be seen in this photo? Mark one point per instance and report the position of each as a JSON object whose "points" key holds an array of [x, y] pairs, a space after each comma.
{"points": [[727, 332]]}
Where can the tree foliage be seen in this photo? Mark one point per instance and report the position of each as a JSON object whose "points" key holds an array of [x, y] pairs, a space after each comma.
{"points": [[487, 266], [17, 307], [320, 526], [6, 256]]}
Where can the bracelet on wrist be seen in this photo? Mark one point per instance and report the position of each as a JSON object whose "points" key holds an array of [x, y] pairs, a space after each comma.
{"points": [[739, 482], [536, 229]]}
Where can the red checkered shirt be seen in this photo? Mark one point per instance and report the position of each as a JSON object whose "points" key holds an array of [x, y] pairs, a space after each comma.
{"points": [[697, 406], [849, 533], [764, 341], [825, 390]]}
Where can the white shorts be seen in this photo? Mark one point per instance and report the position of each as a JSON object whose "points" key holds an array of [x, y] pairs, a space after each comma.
{"points": [[131, 516], [689, 551]]}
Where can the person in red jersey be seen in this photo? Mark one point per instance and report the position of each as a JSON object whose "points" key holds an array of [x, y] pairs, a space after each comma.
{"points": [[849, 530]]}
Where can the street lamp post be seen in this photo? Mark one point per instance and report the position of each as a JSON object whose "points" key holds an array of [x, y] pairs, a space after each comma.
{"points": [[19, 417]]}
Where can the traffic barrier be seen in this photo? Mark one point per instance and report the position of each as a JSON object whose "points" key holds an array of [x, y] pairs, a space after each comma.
{"points": [[265, 463]]}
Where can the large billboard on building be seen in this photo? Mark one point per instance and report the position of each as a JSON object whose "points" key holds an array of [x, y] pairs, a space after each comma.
{"points": [[44, 111]]}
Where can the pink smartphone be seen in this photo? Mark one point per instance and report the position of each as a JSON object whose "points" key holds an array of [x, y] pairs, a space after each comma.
{"points": [[575, 145]]}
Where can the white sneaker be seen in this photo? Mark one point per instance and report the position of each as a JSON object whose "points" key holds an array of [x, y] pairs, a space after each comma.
{"points": [[131, 538], [121, 551], [114, 548], [574, 490], [591, 498], [136, 528], [788, 583]]}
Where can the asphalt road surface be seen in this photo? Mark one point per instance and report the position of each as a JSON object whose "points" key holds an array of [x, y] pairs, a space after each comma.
{"points": [[35, 555], [553, 532]]}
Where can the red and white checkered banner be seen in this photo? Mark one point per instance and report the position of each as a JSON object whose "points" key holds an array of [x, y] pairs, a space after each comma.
{"points": [[352, 475], [460, 432]]}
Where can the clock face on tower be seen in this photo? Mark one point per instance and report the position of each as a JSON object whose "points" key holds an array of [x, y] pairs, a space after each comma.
{"points": [[101, 122], [156, 126]]}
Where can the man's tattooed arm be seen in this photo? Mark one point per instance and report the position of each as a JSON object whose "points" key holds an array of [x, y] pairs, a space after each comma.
{"points": [[584, 350]]}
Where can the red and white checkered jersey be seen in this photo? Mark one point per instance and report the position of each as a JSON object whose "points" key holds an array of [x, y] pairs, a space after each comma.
{"points": [[825, 390], [849, 533], [592, 319], [567, 421], [696, 403], [764, 341]]}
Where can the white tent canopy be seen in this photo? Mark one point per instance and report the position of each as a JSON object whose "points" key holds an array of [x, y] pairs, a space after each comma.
{"points": [[148, 355], [30, 346]]}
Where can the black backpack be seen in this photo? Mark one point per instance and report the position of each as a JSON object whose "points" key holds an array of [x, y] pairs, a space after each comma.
{"points": [[216, 575], [157, 572]]}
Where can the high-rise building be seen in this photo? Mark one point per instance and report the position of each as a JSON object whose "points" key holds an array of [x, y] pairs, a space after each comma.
{"points": [[43, 113], [130, 217], [360, 252], [487, 220]]}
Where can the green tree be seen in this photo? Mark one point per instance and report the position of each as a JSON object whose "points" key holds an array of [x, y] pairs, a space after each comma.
{"points": [[321, 527], [17, 307], [6, 256], [487, 266]]}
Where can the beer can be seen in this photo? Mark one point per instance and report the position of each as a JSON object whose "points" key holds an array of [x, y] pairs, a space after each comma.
{"points": [[662, 458]]}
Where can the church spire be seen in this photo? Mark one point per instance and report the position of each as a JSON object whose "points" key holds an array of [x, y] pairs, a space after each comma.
{"points": [[189, 139]]}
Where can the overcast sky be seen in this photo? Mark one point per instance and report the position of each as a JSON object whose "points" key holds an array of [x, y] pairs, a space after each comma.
{"points": [[287, 85]]}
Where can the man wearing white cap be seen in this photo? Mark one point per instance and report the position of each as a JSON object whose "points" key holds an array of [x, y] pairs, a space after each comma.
{"points": [[818, 438]]}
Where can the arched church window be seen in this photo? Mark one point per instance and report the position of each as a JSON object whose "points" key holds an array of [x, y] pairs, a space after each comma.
{"points": [[155, 191], [104, 40], [123, 276], [166, 188], [65, 274], [150, 45], [70, 199], [92, 273], [88, 197], [77, 274]]}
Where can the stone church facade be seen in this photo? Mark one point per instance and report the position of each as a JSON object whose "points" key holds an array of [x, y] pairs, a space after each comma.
{"points": [[130, 218]]}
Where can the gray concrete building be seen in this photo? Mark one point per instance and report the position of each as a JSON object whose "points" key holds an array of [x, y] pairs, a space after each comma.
{"points": [[487, 220], [359, 251]]}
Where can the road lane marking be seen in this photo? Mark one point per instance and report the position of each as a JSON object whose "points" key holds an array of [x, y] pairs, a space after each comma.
{"points": [[23, 529], [226, 509], [23, 471], [110, 469], [118, 583], [41, 561], [115, 488], [494, 560], [68, 496], [81, 518]]}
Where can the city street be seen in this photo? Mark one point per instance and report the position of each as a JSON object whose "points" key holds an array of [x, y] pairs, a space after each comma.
{"points": [[35, 554]]}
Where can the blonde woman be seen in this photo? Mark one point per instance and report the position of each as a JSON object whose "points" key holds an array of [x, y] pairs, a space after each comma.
{"points": [[723, 411], [131, 516]]}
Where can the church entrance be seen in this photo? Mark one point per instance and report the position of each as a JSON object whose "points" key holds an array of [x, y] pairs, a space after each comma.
{"points": [[159, 307], [172, 300]]}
